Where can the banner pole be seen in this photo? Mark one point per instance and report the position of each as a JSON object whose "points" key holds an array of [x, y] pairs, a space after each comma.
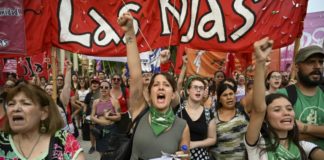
{"points": [[293, 68], [54, 72]]}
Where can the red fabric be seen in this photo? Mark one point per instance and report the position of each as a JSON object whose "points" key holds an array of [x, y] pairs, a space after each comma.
{"points": [[30, 65], [180, 53], [69, 109], [230, 66], [280, 20], [166, 66]]}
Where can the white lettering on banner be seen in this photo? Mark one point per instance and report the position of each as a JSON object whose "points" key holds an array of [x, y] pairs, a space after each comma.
{"points": [[105, 28], [191, 31], [65, 16], [215, 17], [164, 5], [130, 7], [105, 34], [249, 20]]}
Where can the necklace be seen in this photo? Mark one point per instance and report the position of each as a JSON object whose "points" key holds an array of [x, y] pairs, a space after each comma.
{"points": [[27, 157]]}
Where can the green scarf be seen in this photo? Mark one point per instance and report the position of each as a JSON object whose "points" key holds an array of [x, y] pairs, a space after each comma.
{"points": [[161, 121], [282, 153]]}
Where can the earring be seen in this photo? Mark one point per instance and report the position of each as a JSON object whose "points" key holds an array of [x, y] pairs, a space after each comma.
{"points": [[43, 128]]}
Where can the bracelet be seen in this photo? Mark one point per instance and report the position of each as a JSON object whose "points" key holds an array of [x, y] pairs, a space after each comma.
{"points": [[305, 128]]}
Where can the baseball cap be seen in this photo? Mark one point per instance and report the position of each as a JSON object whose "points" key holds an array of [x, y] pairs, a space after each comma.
{"points": [[95, 80], [306, 52]]}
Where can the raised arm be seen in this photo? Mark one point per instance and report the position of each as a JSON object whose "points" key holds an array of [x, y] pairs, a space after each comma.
{"points": [[182, 74], [65, 95], [136, 99], [262, 50]]}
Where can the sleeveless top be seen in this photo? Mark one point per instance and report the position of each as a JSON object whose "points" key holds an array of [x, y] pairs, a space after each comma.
{"points": [[199, 128], [230, 137], [63, 145], [104, 105], [146, 145]]}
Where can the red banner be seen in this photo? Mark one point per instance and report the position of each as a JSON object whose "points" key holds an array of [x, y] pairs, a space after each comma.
{"points": [[12, 29], [90, 27], [31, 65]]}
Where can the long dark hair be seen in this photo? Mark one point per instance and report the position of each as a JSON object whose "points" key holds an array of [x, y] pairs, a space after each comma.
{"points": [[269, 133]]}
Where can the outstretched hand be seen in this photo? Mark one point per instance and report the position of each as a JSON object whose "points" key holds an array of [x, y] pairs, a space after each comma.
{"points": [[126, 22], [262, 49], [164, 56]]}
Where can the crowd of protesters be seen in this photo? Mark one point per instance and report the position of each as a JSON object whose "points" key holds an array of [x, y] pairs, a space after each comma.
{"points": [[267, 116]]}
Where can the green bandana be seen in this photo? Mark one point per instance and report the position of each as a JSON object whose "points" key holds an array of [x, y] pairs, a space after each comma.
{"points": [[161, 121], [282, 153]]}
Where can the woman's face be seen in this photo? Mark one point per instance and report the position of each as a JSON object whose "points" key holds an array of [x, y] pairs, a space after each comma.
{"points": [[161, 93], [74, 78], [104, 88], [24, 115], [275, 80], [196, 91], [219, 77], [227, 98], [281, 115], [241, 80], [82, 82], [116, 80]]}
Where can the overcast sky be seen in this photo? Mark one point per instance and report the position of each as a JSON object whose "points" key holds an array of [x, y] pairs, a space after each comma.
{"points": [[315, 6]]}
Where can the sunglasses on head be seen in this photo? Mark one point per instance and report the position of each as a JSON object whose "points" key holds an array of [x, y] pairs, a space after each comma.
{"points": [[104, 87]]}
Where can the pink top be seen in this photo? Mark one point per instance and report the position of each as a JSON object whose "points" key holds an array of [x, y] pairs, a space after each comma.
{"points": [[104, 105]]}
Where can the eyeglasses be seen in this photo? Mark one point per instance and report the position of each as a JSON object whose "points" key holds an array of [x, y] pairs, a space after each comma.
{"points": [[59, 79], [104, 87], [276, 77], [198, 87], [116, 79]]}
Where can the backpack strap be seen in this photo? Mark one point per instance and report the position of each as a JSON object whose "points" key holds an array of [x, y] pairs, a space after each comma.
{"points": [[292, 94], [181, 107], [207, 115]]}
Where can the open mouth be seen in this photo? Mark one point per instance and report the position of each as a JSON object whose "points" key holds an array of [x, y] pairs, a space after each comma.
{"points": [[160, 98], [18, 119], [286, 120]]}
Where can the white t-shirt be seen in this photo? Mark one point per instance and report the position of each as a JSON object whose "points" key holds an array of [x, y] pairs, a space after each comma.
{"points": [[254, 151], [82, 94]]}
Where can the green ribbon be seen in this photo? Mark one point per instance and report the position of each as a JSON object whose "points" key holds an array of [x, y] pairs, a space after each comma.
{"points": [[281, 153], [161, 121]]}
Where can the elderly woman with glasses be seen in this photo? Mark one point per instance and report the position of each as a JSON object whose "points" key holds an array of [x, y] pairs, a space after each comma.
{"points": [[105, 113], [33, 127]]}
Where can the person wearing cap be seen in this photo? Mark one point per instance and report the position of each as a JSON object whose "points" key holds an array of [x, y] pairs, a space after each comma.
{"points": [[309, 106], [87, 107]]}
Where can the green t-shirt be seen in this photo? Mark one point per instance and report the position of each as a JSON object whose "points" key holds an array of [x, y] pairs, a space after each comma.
{"points": [[309, 109]]}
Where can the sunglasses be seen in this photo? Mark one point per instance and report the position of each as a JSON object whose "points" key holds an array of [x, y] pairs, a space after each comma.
{"points": [[104, 87], [116, 79]]}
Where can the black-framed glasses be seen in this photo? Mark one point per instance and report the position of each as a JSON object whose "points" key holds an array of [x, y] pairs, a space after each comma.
{"points": [[104, 87]]}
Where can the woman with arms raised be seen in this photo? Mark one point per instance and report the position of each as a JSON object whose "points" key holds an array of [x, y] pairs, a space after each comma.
{"points": [[159, 129], [33, 129], [279, 138]]}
